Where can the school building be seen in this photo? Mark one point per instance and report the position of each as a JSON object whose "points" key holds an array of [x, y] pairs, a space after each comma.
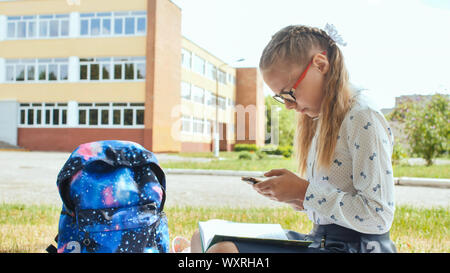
{"points": [[76, 71]]}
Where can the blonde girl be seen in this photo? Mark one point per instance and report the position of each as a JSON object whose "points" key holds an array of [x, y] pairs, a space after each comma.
{"points": [[343, 146]]}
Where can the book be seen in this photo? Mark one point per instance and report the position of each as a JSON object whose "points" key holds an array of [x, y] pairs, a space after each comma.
{"points": [[216, 230]]}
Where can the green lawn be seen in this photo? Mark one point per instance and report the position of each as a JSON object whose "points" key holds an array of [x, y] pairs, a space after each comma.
{"points": [[32, 228], [231, 161]]}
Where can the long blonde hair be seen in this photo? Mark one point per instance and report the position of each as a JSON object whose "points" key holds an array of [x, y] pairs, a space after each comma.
{"points": [[293, 44]]}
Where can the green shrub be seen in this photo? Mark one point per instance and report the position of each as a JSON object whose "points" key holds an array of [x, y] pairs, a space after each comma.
{"points": [[398, 153], [260, 154], [245, 156], [285, 151], [245, 147]]}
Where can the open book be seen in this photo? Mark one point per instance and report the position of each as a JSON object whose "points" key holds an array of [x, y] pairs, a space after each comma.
{"points": [[214, 231]]}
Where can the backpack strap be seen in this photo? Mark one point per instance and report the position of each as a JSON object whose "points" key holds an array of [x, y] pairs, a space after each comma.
{"points": [[51, 248], [162, 181]]}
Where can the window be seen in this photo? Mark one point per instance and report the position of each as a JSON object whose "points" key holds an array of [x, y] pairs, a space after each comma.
{"points": [[63, 72], [93, 116], [113, 23], [82, 117], [43, 114], [210, 98], [222, 103], [129, 71], [140, 70], [118, 26], [194, 125], [230, 102], [116, 115], [95, 72], [10, 73], [185, 90], [222, 77], [104, 117], [123, 68], [95, 27], [208, 125], [106, 26], [84, 27], [106, 71], [141, 25], [52, 72], [197, 126], [54, 28], [211, 71], [199, 64], [30, 72], [20, 70], [11, 30], [186, 58], [129, 25], [38, 26], [118, 71], [198, 94], [186, 123], [139, 116]]}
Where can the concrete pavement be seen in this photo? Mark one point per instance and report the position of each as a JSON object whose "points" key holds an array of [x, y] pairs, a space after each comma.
{"points": [[30, 177]]}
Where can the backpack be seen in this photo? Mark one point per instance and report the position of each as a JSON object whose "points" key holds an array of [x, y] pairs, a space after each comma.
{"points": [[113, 195]]}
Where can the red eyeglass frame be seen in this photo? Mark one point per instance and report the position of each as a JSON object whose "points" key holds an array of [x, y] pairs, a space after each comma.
{"points": [[291, 92]]}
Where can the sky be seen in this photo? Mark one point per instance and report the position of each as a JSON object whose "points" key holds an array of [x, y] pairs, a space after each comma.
{"points": [[394, 47]]}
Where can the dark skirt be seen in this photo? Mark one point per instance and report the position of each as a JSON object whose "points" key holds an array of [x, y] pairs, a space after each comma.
{"points": [[325, 239]]}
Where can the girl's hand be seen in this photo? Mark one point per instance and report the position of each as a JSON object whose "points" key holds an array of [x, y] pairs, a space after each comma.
{"points": [[285, 187]]}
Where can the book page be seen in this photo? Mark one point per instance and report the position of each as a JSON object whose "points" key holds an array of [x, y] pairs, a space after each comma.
{"points": [[251, 230]]}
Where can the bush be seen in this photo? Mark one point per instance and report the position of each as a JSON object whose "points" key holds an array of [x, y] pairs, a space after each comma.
{"points": [[245, 156], [261, 155], [245, 147], [398, 153], [285, 151]]}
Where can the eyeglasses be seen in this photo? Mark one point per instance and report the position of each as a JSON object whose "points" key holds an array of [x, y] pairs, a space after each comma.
{"points": [[289, 95]]}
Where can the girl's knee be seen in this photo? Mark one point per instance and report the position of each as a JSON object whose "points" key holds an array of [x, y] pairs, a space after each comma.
{"points": [[223, 247], [196, 243], [196, 235]]}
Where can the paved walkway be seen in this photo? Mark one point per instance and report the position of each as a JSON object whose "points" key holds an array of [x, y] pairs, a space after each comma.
{"points": [[30, 177]]}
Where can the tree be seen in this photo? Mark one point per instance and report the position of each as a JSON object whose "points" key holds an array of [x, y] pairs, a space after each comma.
{"points": [[427, 125], [286, 122]]}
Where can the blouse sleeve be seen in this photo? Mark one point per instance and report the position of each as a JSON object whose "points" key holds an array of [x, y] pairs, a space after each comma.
{"points": [[370, 208]]}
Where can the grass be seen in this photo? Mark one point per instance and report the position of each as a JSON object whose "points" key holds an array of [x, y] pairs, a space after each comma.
{"points": [[230, 161], [433, 171], [31, 228]]}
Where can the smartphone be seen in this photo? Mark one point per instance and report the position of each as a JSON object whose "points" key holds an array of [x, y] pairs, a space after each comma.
{"points": [[250, 180]]}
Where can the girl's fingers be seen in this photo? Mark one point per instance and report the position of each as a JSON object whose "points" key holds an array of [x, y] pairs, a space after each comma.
{"points": [[275, 172], [263, 187]]}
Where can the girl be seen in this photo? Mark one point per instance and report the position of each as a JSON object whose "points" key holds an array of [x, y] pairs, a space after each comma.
{"points": [[343, 147]]}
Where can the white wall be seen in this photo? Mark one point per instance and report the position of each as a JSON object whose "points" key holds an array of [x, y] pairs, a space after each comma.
{"points": [[3, 27], [9, 110]]}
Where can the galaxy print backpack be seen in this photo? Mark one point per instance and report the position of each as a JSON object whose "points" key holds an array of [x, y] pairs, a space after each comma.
{"points": [[113, 195]]}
